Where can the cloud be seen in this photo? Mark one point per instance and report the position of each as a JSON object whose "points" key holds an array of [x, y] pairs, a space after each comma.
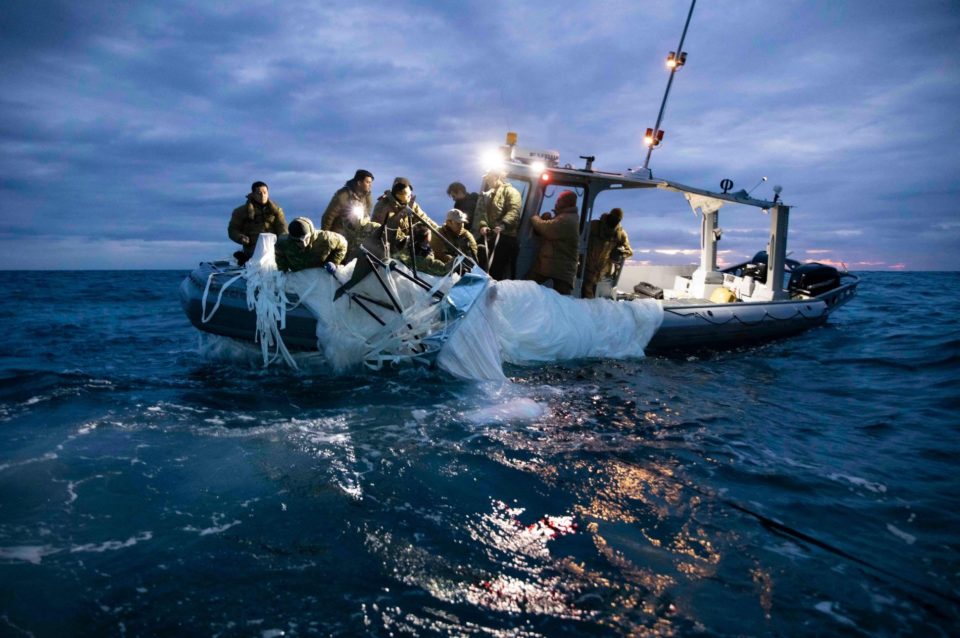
{"points": [[126, 122]]}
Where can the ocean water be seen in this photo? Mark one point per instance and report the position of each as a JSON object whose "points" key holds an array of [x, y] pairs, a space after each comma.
{"points": [[153, 483]]}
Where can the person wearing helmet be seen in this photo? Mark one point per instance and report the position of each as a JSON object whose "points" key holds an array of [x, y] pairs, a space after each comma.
{"points": [[607, 245], [306, 247], [459, 237], [559, 241], [498, 220], [258, 215]]}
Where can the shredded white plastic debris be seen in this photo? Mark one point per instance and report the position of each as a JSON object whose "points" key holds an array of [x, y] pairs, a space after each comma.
{"points": [[469, 329]]}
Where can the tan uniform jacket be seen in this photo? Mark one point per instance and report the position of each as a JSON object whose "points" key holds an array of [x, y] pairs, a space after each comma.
{"points": [[323, 246], [464, 242], [340, 209], [389, 212], [499, 207], [603, 240], [560, 239], [252, 219]]}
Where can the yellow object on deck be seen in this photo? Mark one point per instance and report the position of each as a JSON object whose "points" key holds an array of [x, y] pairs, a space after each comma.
{"points": [[722, 295]]}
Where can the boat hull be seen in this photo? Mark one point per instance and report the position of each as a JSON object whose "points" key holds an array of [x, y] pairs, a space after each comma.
{"points": [[712, 326], [686, 326]]}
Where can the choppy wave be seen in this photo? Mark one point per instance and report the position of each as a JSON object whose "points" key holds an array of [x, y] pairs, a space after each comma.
{"points": [[148, 485]]}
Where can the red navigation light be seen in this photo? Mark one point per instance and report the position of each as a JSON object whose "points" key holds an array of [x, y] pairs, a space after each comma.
{"points": [[545, 177]]}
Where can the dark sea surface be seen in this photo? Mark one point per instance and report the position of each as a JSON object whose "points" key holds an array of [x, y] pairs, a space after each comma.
{"points": [[151, 486]]}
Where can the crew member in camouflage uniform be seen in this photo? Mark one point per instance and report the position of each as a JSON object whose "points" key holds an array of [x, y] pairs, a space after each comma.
{"points": [[608, 244], [305, 247], [498, 220], [559, 243], [390, 212], [350, 204], [259, 215], [426, 263], [454, 232]]}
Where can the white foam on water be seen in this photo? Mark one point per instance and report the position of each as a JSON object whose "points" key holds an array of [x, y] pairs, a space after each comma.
{"points": [[830, 608], [216, 528], [909, 539], [110, 546], [513, 410], [877, 488], [27, 553], [49, 456]]}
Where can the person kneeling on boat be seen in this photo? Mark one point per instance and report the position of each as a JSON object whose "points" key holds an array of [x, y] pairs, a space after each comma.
{"points": [[259, 215], [458, 237], [559, 238], [426, 262], [607, 245], [305, 247]]}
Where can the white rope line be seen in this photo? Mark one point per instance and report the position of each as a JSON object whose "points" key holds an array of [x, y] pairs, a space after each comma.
{"points": [[490, 253], [204, 317]]}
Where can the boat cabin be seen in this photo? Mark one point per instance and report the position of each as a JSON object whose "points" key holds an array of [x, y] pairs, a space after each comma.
{"points": [[539, 177]]}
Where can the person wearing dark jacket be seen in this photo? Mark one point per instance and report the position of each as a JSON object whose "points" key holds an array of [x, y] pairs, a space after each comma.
{"points": [[559, 242], [466, 202], [305, 247], [258, 215], [351, 205]]}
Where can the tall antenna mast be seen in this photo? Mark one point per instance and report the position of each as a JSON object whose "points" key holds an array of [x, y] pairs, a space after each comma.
{"points": [[675, 60]]}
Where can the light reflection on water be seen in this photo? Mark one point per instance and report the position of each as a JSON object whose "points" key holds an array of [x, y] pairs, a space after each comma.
{"points": [[155, 489]]}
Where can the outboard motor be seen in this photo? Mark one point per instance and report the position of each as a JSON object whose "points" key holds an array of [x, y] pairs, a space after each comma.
{"points": [[757, 268], [813, 279]]}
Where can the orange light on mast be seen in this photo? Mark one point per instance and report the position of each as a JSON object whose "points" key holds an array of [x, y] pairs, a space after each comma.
{"points": [[675, 61], [651, 139]]}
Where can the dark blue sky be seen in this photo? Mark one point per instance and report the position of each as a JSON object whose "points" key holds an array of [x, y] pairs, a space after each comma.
{"points": [[129, 131]]}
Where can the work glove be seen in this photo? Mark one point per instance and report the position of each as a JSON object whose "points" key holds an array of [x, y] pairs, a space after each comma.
{"points": [[330, 267], [244, 240]]}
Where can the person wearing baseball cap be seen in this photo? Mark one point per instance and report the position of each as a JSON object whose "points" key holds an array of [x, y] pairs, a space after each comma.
{"points": [[454, 232]]}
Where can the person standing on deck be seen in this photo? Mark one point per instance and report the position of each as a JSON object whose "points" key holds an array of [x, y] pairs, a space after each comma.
{"points": [[259, 215], [608, 244], [498, 219], [351, 203], [559, 241], [348, 212], [466, 202]]}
